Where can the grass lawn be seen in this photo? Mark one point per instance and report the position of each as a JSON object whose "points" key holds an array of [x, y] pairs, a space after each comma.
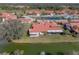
{"points": [[49, 39], [35, 48]]}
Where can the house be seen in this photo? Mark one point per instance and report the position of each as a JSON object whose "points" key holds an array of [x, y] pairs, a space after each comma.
{"points": [[34, 13], [41, 28], [61, 21], [59, 12], [7, 16], [72, 26], [75, 27], [25, 20], [47, 12], [75, 21], [40, 12], [39, 20]]}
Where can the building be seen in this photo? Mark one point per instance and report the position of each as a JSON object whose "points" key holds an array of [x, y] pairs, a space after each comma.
{"points": [[61, 21], [75, 21], [34, 13], [7, 16], [60, 12], [25, 20], [41, 28], [47, 12], [75, 27]]}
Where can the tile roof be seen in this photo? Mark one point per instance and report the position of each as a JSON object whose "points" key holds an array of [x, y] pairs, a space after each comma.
{"points": [[60, 11], [8, 16], [34, 12], [48, 11], [75, 21], [75, 26], [25, 20], [44, 27], [40, 12], [62, 21]]}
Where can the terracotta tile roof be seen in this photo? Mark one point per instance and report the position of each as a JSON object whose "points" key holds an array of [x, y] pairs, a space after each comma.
{"points": [[8, 16], [48, 11], [75, 21], [75, 26], [25, 20], [44, 27], [40, 12], [60, 12], [34, 12]]}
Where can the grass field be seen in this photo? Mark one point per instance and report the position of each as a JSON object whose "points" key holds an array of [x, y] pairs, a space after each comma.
{"points": [[32, 49], [49, 39]]}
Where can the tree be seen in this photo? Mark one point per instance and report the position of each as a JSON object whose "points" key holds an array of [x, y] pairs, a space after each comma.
{"points": [[69, 19], [17, 52], [13, 29], [2, 32], [1, 20]]}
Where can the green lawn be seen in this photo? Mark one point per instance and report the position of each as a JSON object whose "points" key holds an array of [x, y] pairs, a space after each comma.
{"points": [[35, 48], [48, 39]]}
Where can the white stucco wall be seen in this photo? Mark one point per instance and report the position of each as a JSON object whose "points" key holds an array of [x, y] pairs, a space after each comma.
{"points": [[38, 14], [55, 31], [51, 14], [41, 33], [34, 34], [3, 19]]}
